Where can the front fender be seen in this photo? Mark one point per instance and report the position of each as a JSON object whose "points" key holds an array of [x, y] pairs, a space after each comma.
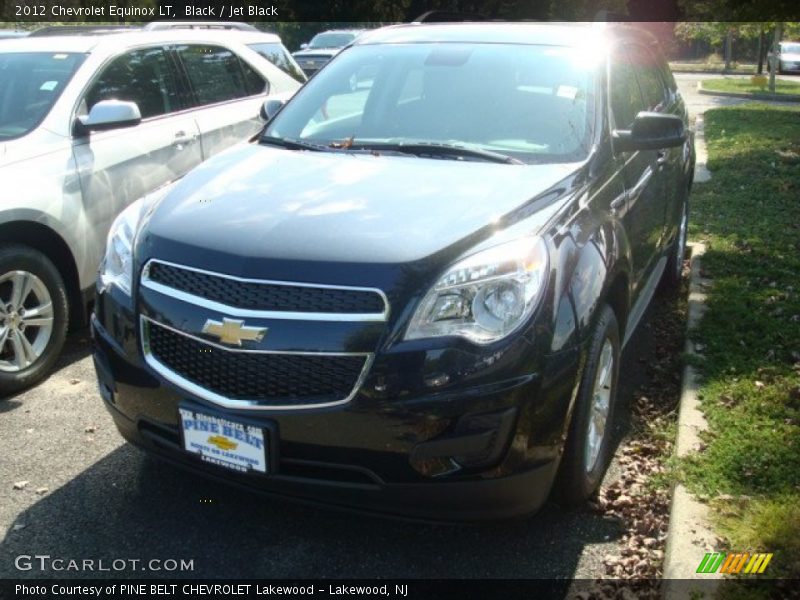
{"points": [[602, 266]]}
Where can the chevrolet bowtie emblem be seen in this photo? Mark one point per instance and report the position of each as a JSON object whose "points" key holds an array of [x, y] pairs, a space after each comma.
{"points": [[221, 442], [233, 331]]}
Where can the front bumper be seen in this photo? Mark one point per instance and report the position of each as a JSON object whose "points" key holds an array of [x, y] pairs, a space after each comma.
{"points": [[391, 454]]}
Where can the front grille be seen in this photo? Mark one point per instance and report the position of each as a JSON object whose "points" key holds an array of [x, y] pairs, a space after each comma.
{"points": [[267, 296], [269, 379]]}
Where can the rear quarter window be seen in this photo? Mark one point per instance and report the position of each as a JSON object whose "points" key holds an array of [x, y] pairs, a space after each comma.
{"points": [[279, 56]]}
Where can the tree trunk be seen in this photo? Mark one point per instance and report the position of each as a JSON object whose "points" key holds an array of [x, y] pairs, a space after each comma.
{"points": [[773, 60], [728, 44], [760, 51]]}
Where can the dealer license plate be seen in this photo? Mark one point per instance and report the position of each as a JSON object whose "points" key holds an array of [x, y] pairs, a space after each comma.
{"points": [[225, 443]]}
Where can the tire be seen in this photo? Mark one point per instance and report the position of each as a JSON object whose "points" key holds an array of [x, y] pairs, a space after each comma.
{"points": [[584, 464], [24, 270], [673, 273]]}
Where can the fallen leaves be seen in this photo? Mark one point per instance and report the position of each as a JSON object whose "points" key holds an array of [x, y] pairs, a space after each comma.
{"points": [[22, 485], [640, 505]]}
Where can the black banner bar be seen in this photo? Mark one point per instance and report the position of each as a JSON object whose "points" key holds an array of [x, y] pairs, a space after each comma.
{"points": [[457, 589], [394, 11]]}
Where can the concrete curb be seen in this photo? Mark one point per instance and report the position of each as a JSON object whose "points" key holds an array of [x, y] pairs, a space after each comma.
{"points": [[689, 536], [680, 71], [701, 172], [769, 97]]}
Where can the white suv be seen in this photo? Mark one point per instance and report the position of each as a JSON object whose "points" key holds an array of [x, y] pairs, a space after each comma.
{"points": [[87, 125]]}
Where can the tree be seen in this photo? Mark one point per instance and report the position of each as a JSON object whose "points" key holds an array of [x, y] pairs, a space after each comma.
{"points": [[774, 58], [725, 34]]}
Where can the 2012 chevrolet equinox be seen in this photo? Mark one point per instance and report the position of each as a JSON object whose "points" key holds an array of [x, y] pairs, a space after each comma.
{"points": [[411, 296]]}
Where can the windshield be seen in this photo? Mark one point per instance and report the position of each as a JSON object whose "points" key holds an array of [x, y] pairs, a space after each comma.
{"points": [[790, 48], [331, 40], [278, 56], [30, 83], [532, 103]]}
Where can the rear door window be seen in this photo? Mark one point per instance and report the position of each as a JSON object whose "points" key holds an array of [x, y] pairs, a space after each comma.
{"points": [[217, 74]]}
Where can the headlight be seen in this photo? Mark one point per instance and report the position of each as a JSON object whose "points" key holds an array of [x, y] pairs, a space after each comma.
{"points": [[117, 265], [486, 296]]}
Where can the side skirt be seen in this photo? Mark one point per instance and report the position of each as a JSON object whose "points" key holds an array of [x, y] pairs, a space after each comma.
{"points": [[644, 299]]}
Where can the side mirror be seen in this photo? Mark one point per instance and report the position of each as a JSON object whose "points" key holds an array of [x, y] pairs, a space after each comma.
{"points": [[110, 114], [650, 131], [270, 108], [303, 46]]}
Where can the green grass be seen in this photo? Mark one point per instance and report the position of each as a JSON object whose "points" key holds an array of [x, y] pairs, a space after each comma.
{"points": [[749, 217], [743, 85]]}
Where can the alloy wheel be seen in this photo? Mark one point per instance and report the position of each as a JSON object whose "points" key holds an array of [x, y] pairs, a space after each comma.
{"points": [[680, 250], [26, 320], [600, 404]]}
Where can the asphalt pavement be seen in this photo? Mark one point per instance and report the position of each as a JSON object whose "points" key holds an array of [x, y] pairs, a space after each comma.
{"points": [[90, 496], [699, 103]]}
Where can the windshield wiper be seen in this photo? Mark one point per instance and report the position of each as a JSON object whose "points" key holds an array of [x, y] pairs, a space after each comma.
{"points": [[291, 144], [431, 149]]}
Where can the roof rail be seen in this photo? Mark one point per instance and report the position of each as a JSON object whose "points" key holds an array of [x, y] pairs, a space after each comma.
{"points": [[82, 30], [162, 25], [444, 16]]}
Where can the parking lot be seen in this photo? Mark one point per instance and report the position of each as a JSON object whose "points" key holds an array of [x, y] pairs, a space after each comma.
{"points": [[106, 499], [70, 488]]}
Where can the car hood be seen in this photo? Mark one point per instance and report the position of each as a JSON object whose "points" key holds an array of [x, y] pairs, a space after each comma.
{"points": [[37, 143], [257, 210]]}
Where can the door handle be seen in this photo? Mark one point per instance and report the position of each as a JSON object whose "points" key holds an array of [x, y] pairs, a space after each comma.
{"points": [[618, 202], [662, 156], [181, 139]]}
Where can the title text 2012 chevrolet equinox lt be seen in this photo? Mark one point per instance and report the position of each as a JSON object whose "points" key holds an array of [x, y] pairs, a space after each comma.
{"points": [[412, 295]]}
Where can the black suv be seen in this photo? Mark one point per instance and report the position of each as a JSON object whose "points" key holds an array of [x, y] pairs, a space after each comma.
{"points": [[412, 294]]}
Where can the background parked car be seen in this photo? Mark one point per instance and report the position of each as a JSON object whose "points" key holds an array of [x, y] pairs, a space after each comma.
{"points": [[788, 57], [266, 44], [324, 46], [87, 125], [228, 25]]}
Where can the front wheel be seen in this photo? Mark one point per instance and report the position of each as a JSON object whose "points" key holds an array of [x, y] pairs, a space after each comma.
{"points": [[588, 449], [33, 317]]}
